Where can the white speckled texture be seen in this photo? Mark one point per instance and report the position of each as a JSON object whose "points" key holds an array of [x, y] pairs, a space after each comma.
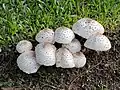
{"points": [[87, 27], [98, 43], [64, 58], [45, 36], [45, 54], [79, 59], [23, 46], [64, 35], [27, 62], [74, 46]]}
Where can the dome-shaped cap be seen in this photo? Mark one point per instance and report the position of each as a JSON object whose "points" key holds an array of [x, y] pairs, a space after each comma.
{"points": [[87, 27], [74, 46], [64, 35], [45, 36], [64, 58], [23, 46], [79, 59], [27, 62], [98, 42], [45, 54]]}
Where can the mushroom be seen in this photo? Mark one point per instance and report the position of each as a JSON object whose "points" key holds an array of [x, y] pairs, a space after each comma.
{"points": [[64, 35], [45, 36], [98, 42], [74, 46], [23, 46], [45, 54], [27, 62], [64, 58], [79, 59], [87, 27]]}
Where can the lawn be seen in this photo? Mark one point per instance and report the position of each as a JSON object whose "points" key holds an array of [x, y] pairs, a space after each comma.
{"points": [[22, 19]]}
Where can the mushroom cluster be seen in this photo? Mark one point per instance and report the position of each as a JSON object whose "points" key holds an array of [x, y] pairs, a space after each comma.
{"points": [[69, 55], [27, 60]]}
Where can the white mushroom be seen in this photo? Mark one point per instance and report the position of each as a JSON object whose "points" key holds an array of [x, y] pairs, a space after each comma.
{"points": [[45, 54], [79, 59], [64, 58], [23, 46], [27, 62], [98, 42], [45, 36], [74, 46], [87, 27], [64, 35]]}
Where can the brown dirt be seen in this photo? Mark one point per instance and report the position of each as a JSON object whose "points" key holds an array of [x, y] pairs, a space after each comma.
{"points": [[102, 71]]}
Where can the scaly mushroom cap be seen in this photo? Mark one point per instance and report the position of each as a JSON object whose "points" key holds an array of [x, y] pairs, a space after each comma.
{"points": [[79, 59], [23, 46], [64, 58], [98, 43], [64, 35], [87, 27], [45, 54], [27, 62], [74, 46], [45, 36]]}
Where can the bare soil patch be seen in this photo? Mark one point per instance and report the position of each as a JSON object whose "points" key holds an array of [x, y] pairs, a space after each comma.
{"points": [[102, 71]]}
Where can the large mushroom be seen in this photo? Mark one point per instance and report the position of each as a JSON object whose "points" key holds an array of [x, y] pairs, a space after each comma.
{"points": [[24, 46], [87, 27], [98, 42], [79, 59], [27, 62], [64, 35], [74, 46], [45, 54], [64, 58], [45, 36]]}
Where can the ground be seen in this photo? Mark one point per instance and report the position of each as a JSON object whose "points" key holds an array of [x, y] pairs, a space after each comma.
{"points": [[102, 71]]}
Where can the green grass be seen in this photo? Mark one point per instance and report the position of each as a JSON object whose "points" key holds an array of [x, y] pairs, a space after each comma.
{"points": [[22, 19]]}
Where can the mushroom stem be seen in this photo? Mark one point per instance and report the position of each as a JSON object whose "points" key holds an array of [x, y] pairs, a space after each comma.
{"points": [[0, 49], [98, 52]]}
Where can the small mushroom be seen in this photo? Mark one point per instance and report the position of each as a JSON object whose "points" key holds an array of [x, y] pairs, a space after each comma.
{"points": [[87, 27], [79, 59], [45, 36], [27, 62], [64, 35], [45, 54], [23, 46], [74, 46], [64, 58], [98, 42]]}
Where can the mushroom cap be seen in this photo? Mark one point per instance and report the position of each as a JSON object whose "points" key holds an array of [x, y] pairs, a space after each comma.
{"points": [[45, 54], [79, 59], [64, 58], [64, 35], [98, 42], [45, 36], [74, 46], [27, 62], [23, 46], [87, 27]]}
